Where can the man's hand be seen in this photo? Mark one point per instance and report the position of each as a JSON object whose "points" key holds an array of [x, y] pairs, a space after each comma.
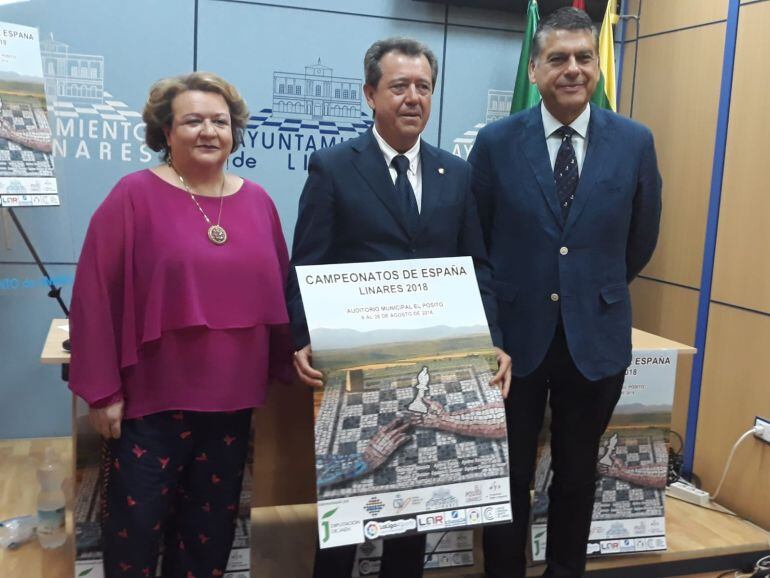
{"points": [[106, 420], [386, 441], [432, 419], [302, 363], [502, 378]]}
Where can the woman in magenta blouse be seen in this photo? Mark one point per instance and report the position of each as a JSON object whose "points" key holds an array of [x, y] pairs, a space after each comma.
{"points": [[177, 323]]}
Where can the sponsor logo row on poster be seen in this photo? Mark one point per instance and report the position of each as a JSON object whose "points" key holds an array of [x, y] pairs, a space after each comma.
{"points": [[628, 528], [29, 200], [419, 510], [433, 521], [641, 535], [627, 545]]}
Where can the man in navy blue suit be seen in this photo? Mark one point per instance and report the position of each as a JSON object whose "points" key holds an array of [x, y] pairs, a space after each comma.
{"points": [[387, 195], [569, 200]]}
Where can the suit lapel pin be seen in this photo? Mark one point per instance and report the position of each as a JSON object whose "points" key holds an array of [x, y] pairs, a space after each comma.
{"points": [[441, 170]]}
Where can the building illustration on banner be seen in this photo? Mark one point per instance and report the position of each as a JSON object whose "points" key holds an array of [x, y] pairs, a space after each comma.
{"points": [[310, 110], [89, 123], [498, 106], [316, 94], [70, 75]]}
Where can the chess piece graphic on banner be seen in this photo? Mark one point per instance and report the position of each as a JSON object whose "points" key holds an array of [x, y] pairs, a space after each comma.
{"points": [[609, 451], [423, 379]]}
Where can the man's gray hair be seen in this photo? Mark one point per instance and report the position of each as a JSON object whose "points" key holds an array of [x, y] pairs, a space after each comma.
{"points": [[565, 18], [407, 46]]}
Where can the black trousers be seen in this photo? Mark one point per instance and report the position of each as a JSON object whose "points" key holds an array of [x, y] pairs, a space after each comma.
{"points": [[580, 412], [401, 558], [173, 477]]}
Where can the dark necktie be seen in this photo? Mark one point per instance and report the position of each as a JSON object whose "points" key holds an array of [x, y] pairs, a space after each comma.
{"points": [[565, 170], [406, 194]]}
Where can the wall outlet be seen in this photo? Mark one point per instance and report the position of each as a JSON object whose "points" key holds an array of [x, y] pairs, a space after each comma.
{"points": [[688, 493], [765, 425]]}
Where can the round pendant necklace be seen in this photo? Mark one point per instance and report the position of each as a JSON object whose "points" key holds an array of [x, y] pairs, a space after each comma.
{"points": [[216, 233]]}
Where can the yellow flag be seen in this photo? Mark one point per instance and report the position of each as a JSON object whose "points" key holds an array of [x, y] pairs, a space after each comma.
{"points": [[605, 96]]}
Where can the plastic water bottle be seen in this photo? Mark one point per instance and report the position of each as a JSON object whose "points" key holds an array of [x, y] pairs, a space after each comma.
{"points": [[51, 531]]}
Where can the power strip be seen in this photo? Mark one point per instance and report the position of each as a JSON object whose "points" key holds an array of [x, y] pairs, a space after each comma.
{"points": [[688, 493]]}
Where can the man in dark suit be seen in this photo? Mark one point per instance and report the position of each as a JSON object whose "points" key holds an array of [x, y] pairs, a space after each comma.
{"points": [[569, 200], [387, 195]]}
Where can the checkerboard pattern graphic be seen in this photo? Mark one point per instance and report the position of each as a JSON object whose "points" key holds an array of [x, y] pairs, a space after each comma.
{"points": [[16, 159], [348, 420], [265, 118]]}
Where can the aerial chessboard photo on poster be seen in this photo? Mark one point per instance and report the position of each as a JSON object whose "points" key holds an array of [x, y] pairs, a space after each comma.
{"points": [[26, 147], [410, 436]]}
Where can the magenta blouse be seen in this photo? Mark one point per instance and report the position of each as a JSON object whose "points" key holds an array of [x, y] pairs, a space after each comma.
{"points": [[164, 318]]}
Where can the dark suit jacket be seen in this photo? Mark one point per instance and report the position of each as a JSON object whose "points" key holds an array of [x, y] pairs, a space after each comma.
{"points": [[609, 236], [349, 213]]}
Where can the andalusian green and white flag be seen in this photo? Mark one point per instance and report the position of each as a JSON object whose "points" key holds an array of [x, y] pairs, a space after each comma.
{"points": [[525, 94], [604, 95]]}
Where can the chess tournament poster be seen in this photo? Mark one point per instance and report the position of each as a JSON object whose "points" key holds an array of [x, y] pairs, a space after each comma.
{"points": [[629, 507], [410, 437], [26, 150]]}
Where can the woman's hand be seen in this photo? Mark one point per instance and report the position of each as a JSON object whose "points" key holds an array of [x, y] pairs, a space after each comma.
{"points": [[106, 420], [303, 358]]}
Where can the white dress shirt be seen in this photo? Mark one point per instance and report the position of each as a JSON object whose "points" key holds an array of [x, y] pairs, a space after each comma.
{"points": [[579, 140], [414, 174]]}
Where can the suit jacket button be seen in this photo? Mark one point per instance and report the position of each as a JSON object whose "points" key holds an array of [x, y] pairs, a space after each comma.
{"points": [[564, 250], [554, 296], [413, 250]]}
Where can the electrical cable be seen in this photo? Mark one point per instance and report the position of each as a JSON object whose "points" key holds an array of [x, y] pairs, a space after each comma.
{"points": [[435, 547], [674, 470], [761, 568], [681, 441], [745, 435], [763, 563], [675, 460], [695, 480]]}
